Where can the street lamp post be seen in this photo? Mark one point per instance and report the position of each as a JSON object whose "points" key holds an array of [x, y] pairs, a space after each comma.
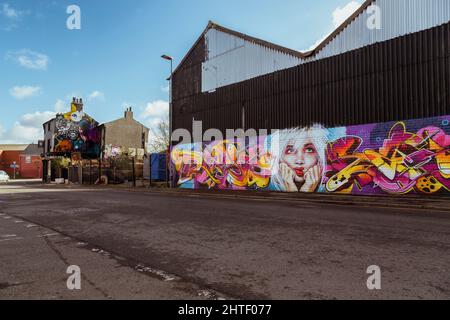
{"points": [[169, 171]]}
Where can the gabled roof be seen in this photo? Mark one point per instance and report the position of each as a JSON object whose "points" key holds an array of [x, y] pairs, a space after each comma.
{"points": [[263, 43], [128, 115], [105, 124], [298, 54], [13, 147], [33, 149], [213, 25], [339, 29]]}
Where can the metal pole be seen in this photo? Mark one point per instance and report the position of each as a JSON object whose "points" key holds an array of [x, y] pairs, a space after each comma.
{"points": [[134, 173], [150, 158], [170, 124], [168, 169], [100, 162]]}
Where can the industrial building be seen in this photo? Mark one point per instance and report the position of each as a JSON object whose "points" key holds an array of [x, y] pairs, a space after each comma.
{"points": [[365, 112], [357, 75]]}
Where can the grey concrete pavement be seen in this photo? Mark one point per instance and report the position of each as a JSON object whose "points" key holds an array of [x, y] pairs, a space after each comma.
{"points": [[247, 248], [34, 263]]}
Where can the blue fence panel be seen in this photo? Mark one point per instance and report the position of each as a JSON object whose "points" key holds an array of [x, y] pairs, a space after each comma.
{"points": [[158, 167]]}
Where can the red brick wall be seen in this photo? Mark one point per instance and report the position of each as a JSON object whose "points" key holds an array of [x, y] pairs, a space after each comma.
{"points": [[32, 169], [7, 158]]}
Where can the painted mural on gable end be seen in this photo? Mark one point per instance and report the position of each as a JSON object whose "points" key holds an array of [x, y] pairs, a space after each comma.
{"points": [[406, 157], [113, 151], [77, 132]]}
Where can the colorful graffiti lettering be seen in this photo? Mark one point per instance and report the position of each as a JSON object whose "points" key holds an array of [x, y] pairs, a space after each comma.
{"points": [[76, 132], [217, 167], [405, 162], [394, 158]]}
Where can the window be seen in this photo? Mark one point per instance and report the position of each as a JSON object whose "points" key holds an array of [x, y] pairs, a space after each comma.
{"points": [[48, 145], [28, 159]]}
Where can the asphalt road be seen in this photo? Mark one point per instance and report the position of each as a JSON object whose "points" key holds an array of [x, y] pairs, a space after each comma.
{"points": [[154, 245]]}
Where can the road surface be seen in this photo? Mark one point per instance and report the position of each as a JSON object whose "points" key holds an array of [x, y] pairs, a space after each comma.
{"points": [[161, 246]]}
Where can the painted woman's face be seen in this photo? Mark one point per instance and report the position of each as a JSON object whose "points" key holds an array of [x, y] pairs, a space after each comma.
{"points": [[300, 157]]}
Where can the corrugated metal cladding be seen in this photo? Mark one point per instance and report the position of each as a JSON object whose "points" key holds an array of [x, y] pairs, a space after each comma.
{"points": [[403, 78], [398, 18], [231, 59]]}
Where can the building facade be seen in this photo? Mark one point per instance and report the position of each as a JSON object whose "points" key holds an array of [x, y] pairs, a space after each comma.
{"points": [[69, 136], [355, 76], [72, 132], [10, 155], [125, 136], [365, 112], [26, 157], [31, 162]]}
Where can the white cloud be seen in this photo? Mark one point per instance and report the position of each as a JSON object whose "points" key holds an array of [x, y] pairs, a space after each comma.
{"points": [[9, 12], [96, 95], [29, 59], [36, 119], [27, 129], [23, 134], [339, 15], [317, 42], [23, 92], [61, 106], [342, 14], [156, 109], [154, 113]]}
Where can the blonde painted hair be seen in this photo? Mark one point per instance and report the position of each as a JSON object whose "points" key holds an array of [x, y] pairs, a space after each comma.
{"points": [[278, 141]]}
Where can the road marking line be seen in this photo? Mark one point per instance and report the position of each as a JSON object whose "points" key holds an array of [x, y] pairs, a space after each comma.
{"points": [[48, 235], [10, 239], [9, 236], [165, 276]]}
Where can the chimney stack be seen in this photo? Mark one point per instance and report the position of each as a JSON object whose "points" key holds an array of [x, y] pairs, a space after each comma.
{"points": [[129, 114], [78, 103]]}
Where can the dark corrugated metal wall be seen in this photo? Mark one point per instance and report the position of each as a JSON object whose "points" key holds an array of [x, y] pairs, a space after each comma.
{"points": [[404, 78]]}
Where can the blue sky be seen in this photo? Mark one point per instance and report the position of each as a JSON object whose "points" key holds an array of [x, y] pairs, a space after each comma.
{"points": [[114, 60]]}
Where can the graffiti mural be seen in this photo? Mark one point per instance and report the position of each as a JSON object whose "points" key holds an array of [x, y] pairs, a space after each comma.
{"points": [[76, 132], [113, 151], [389, 158]]}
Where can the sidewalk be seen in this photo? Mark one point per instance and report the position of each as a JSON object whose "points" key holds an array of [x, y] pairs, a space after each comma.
{"points": [[35, 260], [415, 202]]}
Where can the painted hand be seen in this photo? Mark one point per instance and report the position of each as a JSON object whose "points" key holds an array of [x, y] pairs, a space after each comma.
{"points": [[313, 177], [288, 176]]}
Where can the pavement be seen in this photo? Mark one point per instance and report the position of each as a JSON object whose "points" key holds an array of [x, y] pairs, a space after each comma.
{"points": [[35, 262], [184, 245]]}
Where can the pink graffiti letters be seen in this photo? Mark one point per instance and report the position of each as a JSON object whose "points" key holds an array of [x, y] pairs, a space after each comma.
{"points": [[368, 159]]}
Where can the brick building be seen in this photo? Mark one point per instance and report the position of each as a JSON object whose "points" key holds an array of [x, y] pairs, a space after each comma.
{"points": [[30, 163], [10, 153]]}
